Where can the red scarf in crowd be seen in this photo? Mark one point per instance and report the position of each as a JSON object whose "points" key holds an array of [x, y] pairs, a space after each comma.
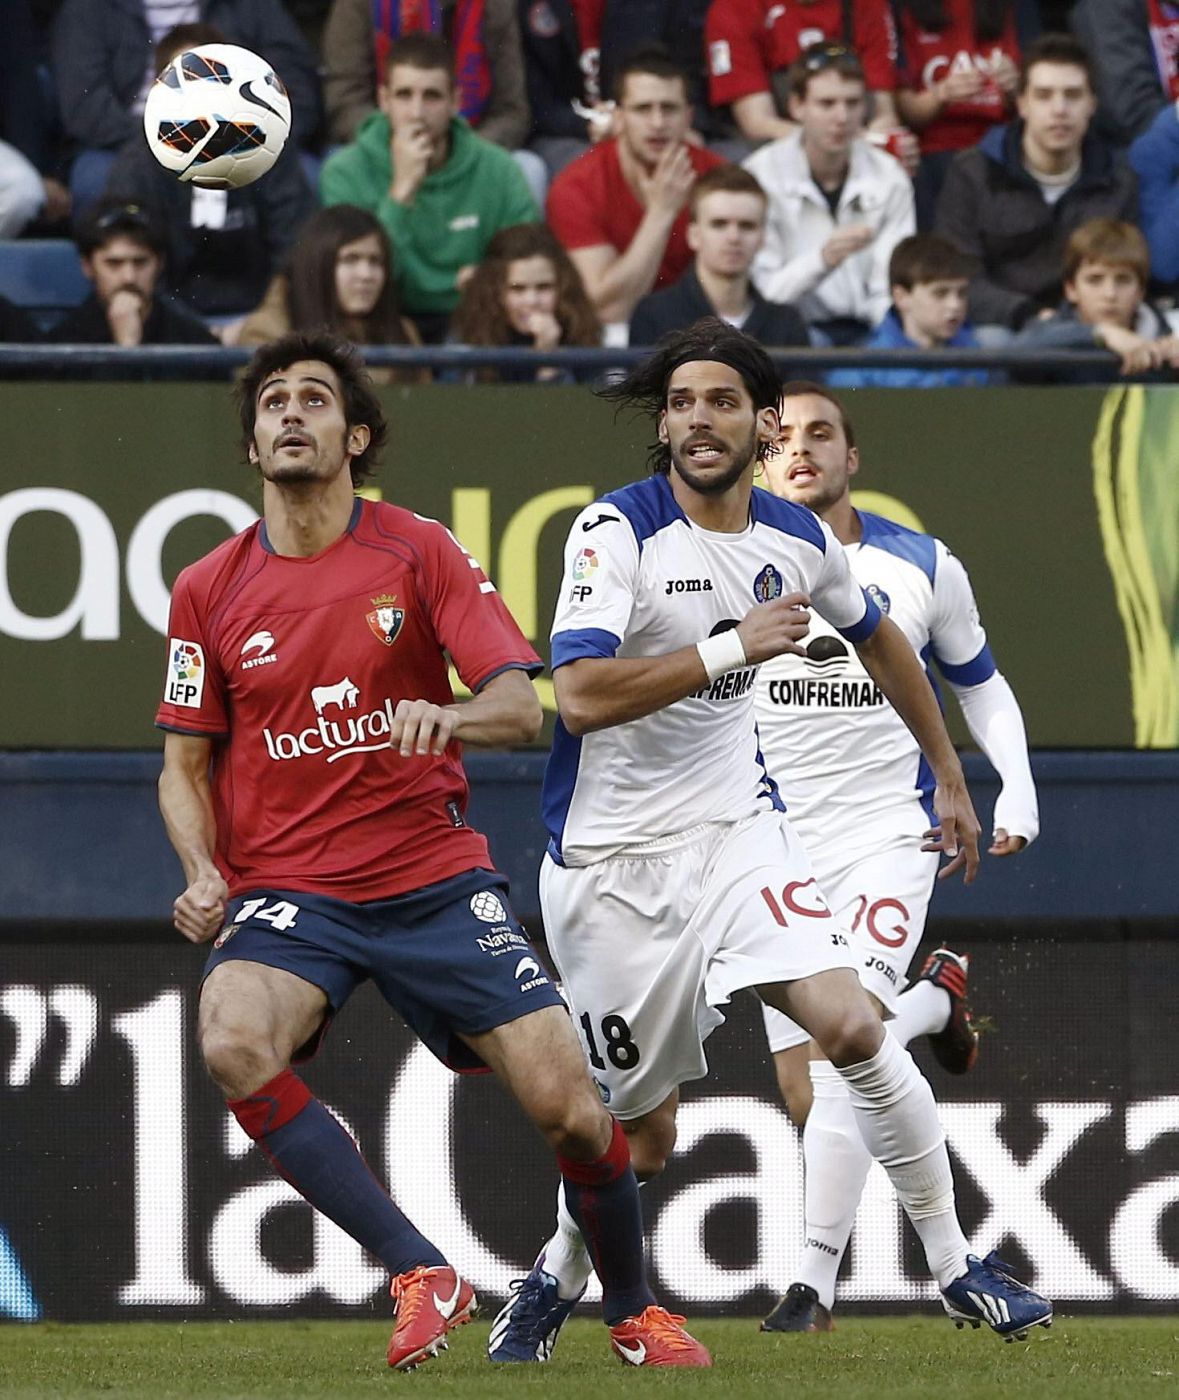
{"points": [[393, 18], [1164, 35]]}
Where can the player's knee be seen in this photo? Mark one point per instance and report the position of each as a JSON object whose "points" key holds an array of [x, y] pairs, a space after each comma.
{"points": [[855, 1037], [238, 1060], [575, 1126]]}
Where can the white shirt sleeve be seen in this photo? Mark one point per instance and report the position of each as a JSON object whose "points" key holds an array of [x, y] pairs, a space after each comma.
{"points": [[993, 717], [988, 703], [598, 586], [838, 596]]}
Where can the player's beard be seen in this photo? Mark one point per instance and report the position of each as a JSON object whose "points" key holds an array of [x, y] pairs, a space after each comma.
{"points": [[718, 484], [318, 469]]}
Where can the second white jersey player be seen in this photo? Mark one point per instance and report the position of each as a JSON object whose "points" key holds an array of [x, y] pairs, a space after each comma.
{"points": [[853, 779]]}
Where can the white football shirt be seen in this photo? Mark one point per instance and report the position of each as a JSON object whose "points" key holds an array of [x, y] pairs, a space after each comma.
{"points": [[642, 580], [830, 738]]}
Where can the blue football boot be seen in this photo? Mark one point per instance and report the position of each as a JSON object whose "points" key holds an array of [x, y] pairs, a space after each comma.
{"points": [[988, 1293], [527, 1325]]}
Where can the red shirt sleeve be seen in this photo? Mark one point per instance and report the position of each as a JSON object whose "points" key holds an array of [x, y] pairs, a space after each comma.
{"points": [[575, 206], [738, 57], [470, 618], [194, 688], [876, 43]]}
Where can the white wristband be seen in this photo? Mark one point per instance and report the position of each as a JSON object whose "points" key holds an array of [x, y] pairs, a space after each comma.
{"points": [[721, 653]]}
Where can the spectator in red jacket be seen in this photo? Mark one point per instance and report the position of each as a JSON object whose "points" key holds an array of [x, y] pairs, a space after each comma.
{"points": [[751, 44], [621, 209], [959, 68]]}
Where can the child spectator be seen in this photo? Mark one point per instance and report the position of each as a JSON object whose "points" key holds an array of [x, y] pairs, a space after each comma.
{"points": [[339, 275], [526, 292], [959, 66], [440, 191], [838, 206], [223, 246], [1011, 201], [621, 209], [930, 282], [726, 227], [1106, 271], [122, 252]]}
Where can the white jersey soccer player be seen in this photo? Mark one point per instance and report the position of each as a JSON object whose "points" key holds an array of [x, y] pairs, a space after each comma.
{"points": [[859, 793], [672, 878]]}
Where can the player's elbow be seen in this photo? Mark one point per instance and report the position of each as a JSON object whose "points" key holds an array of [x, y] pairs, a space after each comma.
{"points": [[575, 705]]}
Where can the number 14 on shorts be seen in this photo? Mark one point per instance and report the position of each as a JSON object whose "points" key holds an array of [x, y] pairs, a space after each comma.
{"points": [[280, 915]]}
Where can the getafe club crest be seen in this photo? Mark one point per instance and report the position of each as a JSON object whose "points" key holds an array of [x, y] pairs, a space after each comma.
{"points": [[385, 619], [767, 585], [879, 597]]}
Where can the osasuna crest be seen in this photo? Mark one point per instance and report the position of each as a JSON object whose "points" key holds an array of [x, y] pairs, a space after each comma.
{"points": [[767, 585], [385, 619]]}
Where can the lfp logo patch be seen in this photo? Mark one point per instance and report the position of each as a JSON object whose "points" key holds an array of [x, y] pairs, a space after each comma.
{"points": [[585, 564], [767, 585], [185, 682]]}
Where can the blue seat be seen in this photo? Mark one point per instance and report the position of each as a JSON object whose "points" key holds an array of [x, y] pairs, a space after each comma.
{"points": [[44, 275]]}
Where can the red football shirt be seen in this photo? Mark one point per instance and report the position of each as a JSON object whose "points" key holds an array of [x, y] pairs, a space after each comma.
{"points": [[1164, 36], [294, 668], [590, 203], [928, 56], [750, 39]]}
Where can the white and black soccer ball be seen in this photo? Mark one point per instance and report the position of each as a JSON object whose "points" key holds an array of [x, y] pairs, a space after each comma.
{"points": [[217, 116]]}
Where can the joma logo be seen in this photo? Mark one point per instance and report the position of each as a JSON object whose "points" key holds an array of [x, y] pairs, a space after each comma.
{"points": [[689, 585]]}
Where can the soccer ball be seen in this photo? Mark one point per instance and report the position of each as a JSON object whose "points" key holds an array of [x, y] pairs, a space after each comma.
{"points": [[217, 116]]}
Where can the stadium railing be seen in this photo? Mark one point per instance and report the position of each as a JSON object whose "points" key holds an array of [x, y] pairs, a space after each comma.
{"points": [[217, 362]]}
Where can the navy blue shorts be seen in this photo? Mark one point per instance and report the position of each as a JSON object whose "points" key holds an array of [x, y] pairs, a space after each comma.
{"points": [[450, 959]]}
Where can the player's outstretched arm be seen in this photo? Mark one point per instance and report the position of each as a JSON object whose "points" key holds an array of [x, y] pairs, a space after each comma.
{"points": [[892, 664], [995, 721], [598, 692], [187, 808]]}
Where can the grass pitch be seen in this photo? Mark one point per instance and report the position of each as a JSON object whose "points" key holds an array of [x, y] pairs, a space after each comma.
{"points": [[877, 1359]]}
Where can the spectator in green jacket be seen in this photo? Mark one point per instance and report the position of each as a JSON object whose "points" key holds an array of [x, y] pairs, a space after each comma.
{"points": [[440, 190]]}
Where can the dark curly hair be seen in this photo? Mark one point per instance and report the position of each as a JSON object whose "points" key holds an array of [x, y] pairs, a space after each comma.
{"points": [[360, 403], [481, 318], [645, 387]]}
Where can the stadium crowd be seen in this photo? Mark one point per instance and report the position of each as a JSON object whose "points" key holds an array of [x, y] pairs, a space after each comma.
{"points": [[545, 173]]}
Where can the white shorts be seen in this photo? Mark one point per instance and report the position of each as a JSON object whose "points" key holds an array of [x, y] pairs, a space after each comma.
{"points": [[651, 943], [880, 894]]}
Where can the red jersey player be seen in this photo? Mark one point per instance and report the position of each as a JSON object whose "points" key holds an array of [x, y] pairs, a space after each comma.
{"points": [[314, 792]]}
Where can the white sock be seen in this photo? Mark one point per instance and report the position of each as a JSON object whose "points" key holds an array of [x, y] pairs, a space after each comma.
{"points": [[898, 1118], [565, 1255], [837, 1164], [921, 1010]]}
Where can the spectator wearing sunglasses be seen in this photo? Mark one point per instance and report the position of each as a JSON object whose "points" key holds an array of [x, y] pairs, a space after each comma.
{"points": [[752, 43], [838, 205], [122, 252]]}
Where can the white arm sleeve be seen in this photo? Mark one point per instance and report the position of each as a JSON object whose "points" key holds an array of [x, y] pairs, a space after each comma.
{"points": [[988, 703], [993, 717]]}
